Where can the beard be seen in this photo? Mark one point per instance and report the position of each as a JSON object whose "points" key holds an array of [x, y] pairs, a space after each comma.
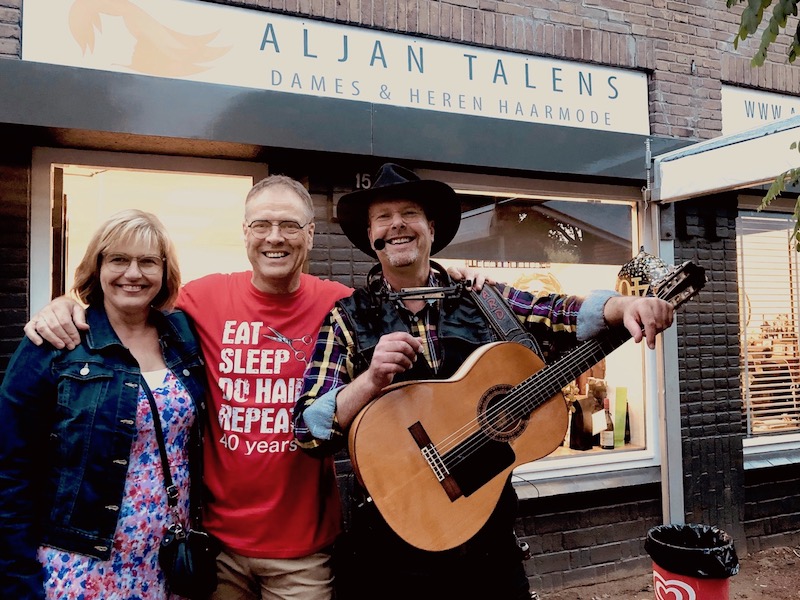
{"points": [[404, 258]]}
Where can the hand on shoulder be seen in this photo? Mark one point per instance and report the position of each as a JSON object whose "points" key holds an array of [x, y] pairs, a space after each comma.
{"points": [[60, 323]]}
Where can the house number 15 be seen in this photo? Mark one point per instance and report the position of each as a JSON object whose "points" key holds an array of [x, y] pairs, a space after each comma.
{"points": [[363, 181]]}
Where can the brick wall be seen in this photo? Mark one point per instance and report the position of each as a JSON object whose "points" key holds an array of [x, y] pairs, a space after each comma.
{"points": [[10, 28], [14, 244], [333, 256], [771, 510], [708, 347], [589, 537]]}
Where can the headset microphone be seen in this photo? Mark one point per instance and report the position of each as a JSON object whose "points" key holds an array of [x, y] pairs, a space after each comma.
{"points": [[379, 244]]}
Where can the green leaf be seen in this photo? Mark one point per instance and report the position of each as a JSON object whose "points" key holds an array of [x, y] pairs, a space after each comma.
{"points": [[792, 176], [773, 192], [778, 15], [771, 32]]}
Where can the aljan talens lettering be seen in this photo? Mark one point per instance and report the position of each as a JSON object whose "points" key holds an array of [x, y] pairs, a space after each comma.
{"points": [[498, 73]]}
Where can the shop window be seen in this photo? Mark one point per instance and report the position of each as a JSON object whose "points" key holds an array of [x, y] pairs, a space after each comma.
{"points": [[574, 247], [202, 212], [200, 202], [769, 288]]}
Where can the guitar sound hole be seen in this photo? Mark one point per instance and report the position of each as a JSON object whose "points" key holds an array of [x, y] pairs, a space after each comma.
{"points": [[496, 415]]}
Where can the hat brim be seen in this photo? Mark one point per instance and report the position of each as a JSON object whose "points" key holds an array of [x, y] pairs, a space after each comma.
{"points": [[438, 200]]}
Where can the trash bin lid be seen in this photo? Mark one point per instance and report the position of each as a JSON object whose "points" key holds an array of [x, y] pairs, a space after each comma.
{"points": [[693, 550]]}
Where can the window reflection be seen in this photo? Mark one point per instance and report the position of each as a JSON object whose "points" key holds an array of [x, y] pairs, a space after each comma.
{"points": [[550, 231], [563, 246]]}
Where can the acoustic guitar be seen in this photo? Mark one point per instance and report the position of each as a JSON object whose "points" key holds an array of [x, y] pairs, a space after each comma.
{"points": [[434, 455]]}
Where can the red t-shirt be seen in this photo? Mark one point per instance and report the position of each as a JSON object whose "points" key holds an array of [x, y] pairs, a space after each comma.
{"points": [[267, 498]]}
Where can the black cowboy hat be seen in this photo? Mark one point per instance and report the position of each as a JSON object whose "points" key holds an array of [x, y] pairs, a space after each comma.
{"points": [[438, 200]]}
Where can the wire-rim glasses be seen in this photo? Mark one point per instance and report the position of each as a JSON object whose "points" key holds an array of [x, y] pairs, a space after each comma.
{"points": [[408, 215], [261, 228], [119, 263]]}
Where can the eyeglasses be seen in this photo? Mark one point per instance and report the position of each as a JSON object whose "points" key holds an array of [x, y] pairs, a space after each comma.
{"points": [[409, 215], [288, 229], [119, 263]]}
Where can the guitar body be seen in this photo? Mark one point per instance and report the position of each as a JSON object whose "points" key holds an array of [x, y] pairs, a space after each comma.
{"points": [[435, 455]]}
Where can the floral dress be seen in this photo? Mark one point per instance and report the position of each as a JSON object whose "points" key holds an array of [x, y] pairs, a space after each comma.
{"points": [[132, 571]]}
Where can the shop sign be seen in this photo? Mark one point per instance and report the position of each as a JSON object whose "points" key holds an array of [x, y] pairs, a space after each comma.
{"points": [[201, 41], [744, 109]]}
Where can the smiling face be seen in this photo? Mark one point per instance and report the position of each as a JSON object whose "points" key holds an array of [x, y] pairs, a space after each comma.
{"points": [[127, 290], [407, 232], [277, 260]]}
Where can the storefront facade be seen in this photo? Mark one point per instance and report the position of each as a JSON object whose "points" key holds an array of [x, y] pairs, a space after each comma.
{"points": [[545, 125]]}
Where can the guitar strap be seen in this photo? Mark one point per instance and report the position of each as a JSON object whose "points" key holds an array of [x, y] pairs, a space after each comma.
{"points": [[502, 319]]}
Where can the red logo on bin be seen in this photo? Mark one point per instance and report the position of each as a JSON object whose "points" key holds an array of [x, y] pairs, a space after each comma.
{"points": [[672, 589]]}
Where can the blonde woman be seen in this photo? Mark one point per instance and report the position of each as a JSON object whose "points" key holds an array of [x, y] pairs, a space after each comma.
{"points": [[83, 504]]}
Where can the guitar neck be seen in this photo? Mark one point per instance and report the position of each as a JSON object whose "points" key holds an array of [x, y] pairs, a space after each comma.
{"points": [[680, 284], [549, 381]]}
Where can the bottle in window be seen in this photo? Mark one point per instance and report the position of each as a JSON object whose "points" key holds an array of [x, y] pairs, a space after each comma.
{"points": [[607, 436], [627, 437]]}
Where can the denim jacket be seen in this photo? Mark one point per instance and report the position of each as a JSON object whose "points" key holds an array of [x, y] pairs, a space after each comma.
{"points": [[67, 424]]}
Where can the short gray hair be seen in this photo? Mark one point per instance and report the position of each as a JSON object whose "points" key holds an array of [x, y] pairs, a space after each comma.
{"points": [[287, 182]]}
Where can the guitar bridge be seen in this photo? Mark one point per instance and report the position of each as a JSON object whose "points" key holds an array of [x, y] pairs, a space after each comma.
{"points": [[435, 462]]}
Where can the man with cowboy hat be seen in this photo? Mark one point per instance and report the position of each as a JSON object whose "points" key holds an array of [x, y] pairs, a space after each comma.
{"points": [[379, 336]]}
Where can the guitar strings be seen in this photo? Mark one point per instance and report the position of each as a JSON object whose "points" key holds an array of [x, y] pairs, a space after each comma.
{"points": [[518, 403], [521, 401]]}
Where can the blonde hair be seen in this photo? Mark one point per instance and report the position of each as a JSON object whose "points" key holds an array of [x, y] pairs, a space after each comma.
{"points": [[126, 226], [287, 182]]}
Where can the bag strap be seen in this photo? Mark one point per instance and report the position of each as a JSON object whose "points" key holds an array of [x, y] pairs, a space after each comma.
{"points": [[172, 489], [504, 322]]}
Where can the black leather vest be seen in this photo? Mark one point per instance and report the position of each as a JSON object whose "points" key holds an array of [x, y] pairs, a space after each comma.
{"points": [[461, 330]]}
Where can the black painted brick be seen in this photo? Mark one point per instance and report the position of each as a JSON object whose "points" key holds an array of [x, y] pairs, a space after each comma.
{"points": [[14, 257]]}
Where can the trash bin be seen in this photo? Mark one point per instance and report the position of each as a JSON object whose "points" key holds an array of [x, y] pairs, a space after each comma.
{"points": [[691, 562]]}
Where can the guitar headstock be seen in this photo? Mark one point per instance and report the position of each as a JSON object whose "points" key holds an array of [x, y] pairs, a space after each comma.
{"points": [[680, 284]]}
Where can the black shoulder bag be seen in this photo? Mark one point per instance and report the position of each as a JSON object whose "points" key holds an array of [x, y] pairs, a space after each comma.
{"points": [[187, 556]]}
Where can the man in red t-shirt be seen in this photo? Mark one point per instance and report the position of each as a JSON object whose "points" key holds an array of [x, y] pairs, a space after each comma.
{"points": [[274, 508]]}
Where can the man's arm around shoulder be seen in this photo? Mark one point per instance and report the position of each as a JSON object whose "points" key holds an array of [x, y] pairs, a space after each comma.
{"points": [[60, 323]]}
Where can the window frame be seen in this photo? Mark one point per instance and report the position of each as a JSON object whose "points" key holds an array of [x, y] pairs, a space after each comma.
{"points": [[764, 448], [591, 471]]}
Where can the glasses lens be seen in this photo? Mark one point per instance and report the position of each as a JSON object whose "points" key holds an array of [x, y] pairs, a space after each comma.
{"points": [[261, 229], [290, 228], [150, 264], [118, 262]]}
